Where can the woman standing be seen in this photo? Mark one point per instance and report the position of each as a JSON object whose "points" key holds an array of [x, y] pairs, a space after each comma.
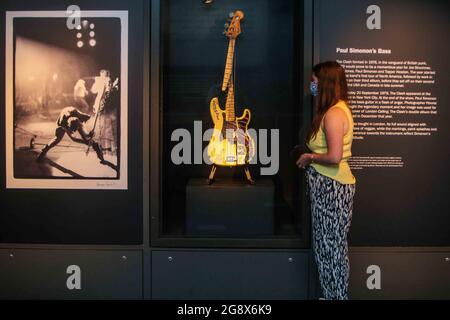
{"points": [[330, 181]]}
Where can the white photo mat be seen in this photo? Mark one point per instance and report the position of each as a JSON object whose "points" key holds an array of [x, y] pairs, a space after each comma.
{"points": [[71, 183]]}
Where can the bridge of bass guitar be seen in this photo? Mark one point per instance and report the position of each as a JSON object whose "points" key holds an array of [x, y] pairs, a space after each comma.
{"points": [[231, 148]]}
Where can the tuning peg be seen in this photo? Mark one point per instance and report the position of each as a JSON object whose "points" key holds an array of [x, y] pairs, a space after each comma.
{"points": [[231, 14]]}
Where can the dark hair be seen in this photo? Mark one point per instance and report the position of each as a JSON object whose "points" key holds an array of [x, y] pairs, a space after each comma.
{"points": [[332, 87]]}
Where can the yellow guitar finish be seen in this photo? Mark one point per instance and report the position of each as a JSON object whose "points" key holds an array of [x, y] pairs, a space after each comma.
{"points": [[230, 147], [230, 144]]}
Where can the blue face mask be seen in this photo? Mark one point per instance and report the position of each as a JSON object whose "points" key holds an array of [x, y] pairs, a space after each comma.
{"points": [[314, 89]]}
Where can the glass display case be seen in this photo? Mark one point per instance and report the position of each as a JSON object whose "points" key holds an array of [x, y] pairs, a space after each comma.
{"points": [[226, 116]]}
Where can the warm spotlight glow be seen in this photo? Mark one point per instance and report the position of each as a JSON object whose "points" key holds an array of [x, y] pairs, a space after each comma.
{"points": [[78, 27], [92, 26], [92, 42], [92, 34], [43, 69], [85, 23], [79, 35], [80, 44]]}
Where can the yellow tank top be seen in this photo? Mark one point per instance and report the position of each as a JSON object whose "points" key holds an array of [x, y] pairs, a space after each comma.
{"points": [[340, 172]]}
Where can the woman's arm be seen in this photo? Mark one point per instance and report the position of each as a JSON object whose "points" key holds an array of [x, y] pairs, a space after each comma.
{"points": [[334, 124]]}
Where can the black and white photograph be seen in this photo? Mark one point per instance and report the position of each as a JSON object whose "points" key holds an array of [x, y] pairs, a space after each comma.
{"points": [[66, 100]]}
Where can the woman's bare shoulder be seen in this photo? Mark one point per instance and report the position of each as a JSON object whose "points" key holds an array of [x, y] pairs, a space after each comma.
{"points": [[335, 113]]}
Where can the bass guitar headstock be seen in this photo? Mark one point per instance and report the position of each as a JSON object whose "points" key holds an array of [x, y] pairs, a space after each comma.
{"points": [[233, 27]]}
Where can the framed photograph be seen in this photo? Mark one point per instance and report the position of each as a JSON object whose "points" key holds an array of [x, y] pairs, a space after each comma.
{"points": [[66, 109]]}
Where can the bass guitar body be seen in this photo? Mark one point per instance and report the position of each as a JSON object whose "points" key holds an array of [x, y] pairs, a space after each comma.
{"points": [[230, 144]]}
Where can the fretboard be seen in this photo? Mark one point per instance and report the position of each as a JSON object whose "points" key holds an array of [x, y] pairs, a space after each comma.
{"points": [[229, 106], [228, 64]]}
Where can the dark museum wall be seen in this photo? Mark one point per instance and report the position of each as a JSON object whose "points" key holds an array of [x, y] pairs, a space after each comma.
{"points": [[402, 194], [134, 244], [50, 216], [397, 69]]}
